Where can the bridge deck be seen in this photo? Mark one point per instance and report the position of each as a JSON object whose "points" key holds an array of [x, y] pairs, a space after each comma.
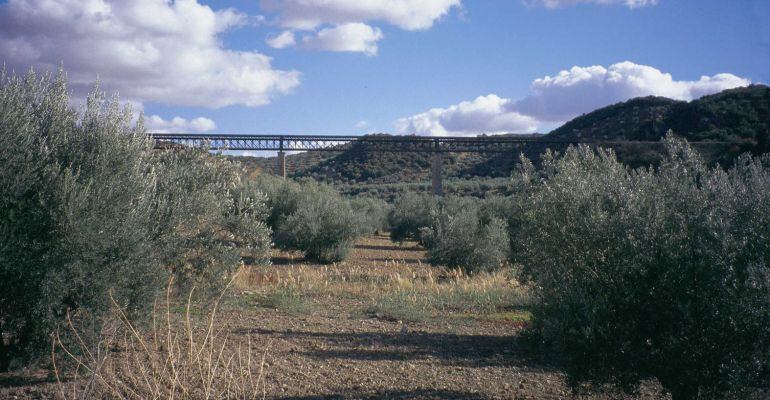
{"points": [[381, 143]]}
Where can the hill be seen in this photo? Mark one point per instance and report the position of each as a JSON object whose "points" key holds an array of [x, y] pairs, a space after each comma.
{"points": [[740, 116], [732, 115]]}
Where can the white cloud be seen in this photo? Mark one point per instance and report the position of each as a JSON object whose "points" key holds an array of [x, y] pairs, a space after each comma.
{"points": [[345, 25], [362, 124], [354, 37], [282, 40], [148, 50], [155, 123], [486, 114], [566, 3], [557, 99], [406, 14], [583, 89]]}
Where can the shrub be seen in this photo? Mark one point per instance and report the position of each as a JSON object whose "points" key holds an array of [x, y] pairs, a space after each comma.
{"points": [[458, 237], [207, 218], [310, 217], [410, 213], [76, 208], [372, 214], [282, 196], [86, 207], [495, 207], [653, 272], [324, 225]]}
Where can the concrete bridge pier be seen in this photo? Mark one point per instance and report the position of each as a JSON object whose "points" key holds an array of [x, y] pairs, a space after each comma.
{"points": [[436, 163], [280, 167]]}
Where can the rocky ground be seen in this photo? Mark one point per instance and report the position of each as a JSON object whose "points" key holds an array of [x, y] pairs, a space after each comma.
{"points": [[332, 349]]}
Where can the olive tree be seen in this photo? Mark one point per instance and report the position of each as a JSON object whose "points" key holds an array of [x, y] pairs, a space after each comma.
{"points": [[87, 208], [652, 272]]}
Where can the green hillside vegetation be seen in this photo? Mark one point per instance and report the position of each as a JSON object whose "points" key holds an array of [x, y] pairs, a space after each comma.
{"points": [[351, 166], [355, 166], [739, 115]]}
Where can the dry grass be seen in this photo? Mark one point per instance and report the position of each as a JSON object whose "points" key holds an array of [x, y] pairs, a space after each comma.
{"points": [[178, 358], [466, 346], [399, 289]]}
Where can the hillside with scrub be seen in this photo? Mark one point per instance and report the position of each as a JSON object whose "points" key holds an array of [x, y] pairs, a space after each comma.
{"points": [[740, 117]]}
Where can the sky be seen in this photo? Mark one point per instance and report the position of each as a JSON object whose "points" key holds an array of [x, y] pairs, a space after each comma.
{"points": [[425, 67]]}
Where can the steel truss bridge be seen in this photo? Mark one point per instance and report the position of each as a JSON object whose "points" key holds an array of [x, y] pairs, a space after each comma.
{"points": [[374, 143], [379, 143]]}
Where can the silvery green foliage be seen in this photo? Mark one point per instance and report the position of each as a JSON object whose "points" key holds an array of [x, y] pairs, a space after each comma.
{"points": [[75, 210], [645, 273], [282, 197], [87, 208], [410, 213], [459, 236], [372, 214], [324, 227], [311, 217], [207, 218]]}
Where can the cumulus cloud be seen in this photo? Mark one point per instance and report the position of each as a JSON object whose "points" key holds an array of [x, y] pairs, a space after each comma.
{"points": [[354, 37], [489, 114], [583, 89], [148, 50], [566, 3], [406, 14], [282, 40], [557, 99], [345, 25], [155, 123]]}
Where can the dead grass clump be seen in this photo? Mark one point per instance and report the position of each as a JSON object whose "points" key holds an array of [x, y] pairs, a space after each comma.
{"points": [[288, 300], [390, 290], [177, 358], [448, 293]]}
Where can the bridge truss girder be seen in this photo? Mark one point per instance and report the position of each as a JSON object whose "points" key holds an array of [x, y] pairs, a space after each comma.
{"points": [[376, 143]]}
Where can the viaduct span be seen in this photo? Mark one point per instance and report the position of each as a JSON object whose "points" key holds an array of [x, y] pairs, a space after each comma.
{"points": [[436, 146]]}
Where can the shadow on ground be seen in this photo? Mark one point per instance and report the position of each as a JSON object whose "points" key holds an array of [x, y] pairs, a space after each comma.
{"points": [[472, 351], [387, 248], [24, 378], [396, 395], [398, 260]]}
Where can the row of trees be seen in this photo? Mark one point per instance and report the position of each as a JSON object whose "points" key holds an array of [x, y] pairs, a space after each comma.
{"points": [[638, 273]]}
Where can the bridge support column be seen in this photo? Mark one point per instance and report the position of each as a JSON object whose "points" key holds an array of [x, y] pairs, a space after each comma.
{"points": [[280, 166], [436, 163]]}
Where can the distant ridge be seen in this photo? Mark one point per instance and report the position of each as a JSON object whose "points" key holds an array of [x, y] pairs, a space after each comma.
{"points": [[741, 114]]}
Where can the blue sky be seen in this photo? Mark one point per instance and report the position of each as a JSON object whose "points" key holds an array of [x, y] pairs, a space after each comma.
{"points": [[430, 67]]}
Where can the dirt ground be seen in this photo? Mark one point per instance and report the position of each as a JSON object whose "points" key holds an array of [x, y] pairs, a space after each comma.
{"points": [[330, 348]]}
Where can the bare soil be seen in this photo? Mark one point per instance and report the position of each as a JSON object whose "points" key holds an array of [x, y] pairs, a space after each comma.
{"points": [[333, 350]]}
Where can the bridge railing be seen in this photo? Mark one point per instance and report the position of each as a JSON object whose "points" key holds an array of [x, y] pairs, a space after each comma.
{"points": [[380, 143]]}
